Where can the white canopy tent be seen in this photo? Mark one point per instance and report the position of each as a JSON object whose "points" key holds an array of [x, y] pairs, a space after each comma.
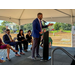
{"points": [[24, 16]]}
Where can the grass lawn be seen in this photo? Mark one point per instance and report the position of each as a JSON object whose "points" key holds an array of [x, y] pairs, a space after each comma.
{"points": [[55, 31], [67, 31]]}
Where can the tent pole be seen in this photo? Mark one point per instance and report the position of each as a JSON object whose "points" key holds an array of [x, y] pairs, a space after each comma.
{"points": [[71, 33], [20, 19], [72, 23], [19, 25], [71, 38]]}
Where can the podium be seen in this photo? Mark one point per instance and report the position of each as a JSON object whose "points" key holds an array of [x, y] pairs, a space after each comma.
{"points": [[46, 46]]}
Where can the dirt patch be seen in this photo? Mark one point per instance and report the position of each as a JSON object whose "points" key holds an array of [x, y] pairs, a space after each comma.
{"points": [[58, 39]]}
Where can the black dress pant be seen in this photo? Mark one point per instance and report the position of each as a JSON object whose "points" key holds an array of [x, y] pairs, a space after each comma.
{"points": [[25, 44], [36, 42], [15, 44]]}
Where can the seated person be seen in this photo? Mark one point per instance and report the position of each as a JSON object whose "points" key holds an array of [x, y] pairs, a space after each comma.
{"points": [[29, 37], [8, 40], [21, 38], [8, 47], [50, 40]]}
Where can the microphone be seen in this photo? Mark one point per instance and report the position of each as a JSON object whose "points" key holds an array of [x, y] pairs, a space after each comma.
{"points": [[44, 21]]}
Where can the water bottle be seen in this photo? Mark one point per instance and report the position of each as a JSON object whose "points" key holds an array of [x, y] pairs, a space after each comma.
{"points": [[2, 58]]}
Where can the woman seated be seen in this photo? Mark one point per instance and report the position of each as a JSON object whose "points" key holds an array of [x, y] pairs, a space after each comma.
{"points": [[50, 40], [29, 37], [21, 38], [8, 47]]}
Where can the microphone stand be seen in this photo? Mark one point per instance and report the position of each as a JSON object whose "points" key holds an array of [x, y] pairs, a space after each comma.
{"points": [[44, 21]]}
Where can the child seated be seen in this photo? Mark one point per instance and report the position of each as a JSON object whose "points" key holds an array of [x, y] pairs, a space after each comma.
{"points": [[50, 40], [29, 37]]}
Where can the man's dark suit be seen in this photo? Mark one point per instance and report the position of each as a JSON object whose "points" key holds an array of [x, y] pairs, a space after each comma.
{"points": [[36, 36], [6, 40]]}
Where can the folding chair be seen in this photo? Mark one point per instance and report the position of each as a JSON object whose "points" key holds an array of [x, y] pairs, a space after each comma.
{"points": [[2, 54]]}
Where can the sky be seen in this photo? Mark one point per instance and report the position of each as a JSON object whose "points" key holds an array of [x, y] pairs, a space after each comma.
{"points": [[50, 22], [1, 21], [46, 23]]}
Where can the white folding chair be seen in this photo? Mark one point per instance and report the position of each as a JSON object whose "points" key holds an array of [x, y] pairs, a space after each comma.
{"points": [[2, 53]]}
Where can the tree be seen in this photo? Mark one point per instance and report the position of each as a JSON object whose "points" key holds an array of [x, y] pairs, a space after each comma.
{"points": [[4, 23], [11, 31], [1, 31], [17, 26], [17, 31], [66, 26], [2, 28], [27, 26], [57, 26], [62, 26]]}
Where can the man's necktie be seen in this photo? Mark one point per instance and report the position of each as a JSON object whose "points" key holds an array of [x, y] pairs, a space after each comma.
{"points": [[40, 26], [10, 38]]}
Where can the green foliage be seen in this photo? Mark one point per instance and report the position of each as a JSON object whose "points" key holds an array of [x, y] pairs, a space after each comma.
{"points": [[55, 31], [27, 26], [67, 31], [4, 23], [17, 26], [3, 27], [25, 31], [11, 31], [17, 31], [1, 31], [57, 26], [63, 26]]}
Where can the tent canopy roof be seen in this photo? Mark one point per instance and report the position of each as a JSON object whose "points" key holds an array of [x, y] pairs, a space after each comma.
{"points": [[24, 16]]}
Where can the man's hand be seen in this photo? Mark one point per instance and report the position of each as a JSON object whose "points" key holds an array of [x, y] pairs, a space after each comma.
{"points": [[50, 24], [40, 32], [12, 41], [22, 40]]}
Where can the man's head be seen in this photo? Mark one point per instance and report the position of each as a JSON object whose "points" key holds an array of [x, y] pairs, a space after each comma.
{"points": [[40, 16], [29, 32], [8, 31]]}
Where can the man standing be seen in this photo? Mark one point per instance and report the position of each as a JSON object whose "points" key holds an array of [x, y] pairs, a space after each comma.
{"points": [[36, 33]]}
